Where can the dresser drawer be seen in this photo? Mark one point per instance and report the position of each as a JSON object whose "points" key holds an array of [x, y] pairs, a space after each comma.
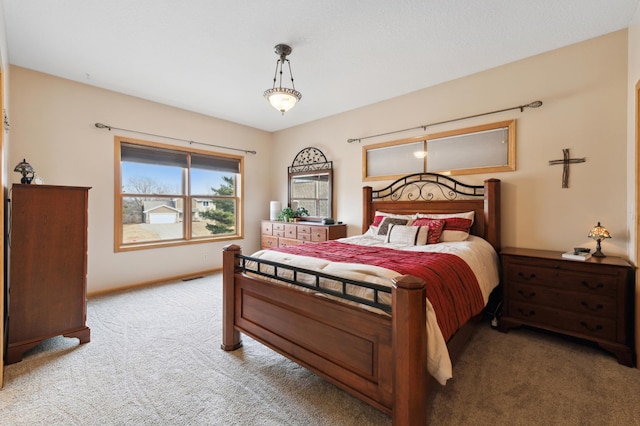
{"points": [[269, 241], [278, 233], [557, 319], [267, 228], [290, 231], [581, 303], [318, 235], [279, 226], [601, 284], [284, 242], [305, 230]]}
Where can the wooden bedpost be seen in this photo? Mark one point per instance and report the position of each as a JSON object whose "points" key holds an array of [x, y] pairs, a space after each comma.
{"points": [[367, 214], [230, 336], [409, 328], [492, 212]]}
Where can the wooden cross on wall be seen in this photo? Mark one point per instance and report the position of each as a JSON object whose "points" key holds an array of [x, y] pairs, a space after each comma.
{"points": [[566, 160]]}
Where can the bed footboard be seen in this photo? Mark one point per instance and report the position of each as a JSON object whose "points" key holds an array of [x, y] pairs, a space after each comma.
{"points": [[378, 359]]}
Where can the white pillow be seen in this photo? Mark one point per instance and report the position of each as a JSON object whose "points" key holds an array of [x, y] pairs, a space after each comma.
{"points": [[456, 226], [409, 235]]}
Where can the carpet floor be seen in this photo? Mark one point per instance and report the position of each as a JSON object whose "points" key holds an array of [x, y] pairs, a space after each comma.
{"points": [[155, 359]]}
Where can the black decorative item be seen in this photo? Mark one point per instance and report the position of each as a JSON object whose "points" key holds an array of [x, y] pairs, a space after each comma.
{"points": [[25, 169]]}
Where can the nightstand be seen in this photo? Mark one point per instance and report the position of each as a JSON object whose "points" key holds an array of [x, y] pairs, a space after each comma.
{"points": [[591, 300]]}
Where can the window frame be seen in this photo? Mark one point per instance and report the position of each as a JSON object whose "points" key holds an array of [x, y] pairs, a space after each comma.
{"points": [[187, 196]]}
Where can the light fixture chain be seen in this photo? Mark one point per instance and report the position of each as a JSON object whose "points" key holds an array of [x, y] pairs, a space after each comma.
{"points": [[291, 75]]}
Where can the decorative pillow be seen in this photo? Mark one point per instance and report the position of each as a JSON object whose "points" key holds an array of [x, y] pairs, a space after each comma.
{"points": [[435, 228], [456, 227], [409, 235], [383, 228], [377, 220]]}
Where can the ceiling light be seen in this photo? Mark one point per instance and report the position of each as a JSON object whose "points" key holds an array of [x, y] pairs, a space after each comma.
{"points": [[282, 98]]}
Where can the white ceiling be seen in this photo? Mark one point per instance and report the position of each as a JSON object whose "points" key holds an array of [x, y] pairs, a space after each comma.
{"points": [[216, 57]]}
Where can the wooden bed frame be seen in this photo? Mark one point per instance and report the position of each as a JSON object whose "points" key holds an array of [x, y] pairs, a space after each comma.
{"points": [[378, 359]]}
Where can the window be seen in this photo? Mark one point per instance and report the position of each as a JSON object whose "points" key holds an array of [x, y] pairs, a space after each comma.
{"points": [[168, 195], [486, 148]]}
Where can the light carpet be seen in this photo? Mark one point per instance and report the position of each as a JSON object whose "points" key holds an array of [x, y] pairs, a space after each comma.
{"points": [[155, 359]]}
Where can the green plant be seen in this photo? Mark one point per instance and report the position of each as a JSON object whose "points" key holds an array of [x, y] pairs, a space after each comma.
{"points": [[287, 214]]}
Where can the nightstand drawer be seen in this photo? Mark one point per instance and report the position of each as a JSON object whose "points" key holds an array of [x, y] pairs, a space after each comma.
{"points": [[601, 284], [581, 303], [559, 320]]}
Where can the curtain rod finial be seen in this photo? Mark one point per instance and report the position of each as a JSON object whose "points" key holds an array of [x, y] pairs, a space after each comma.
{"points": [[102, 126]]}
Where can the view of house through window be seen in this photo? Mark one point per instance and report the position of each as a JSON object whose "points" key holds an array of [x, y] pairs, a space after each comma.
{"points": [[169, 195]]}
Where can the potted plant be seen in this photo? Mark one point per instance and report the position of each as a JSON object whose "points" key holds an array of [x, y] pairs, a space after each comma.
{"points": [[288, 214]]}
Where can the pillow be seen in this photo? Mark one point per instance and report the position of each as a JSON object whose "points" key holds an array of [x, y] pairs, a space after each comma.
{"points": [[409, 235], [435, 228], [383, 228], [456, 226], [377, 220]]}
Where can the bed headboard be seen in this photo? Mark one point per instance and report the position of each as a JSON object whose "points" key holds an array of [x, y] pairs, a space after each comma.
{"points": [[434, 193]]}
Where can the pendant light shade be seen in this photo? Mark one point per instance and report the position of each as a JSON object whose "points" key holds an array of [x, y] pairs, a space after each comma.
{"points": [[282, 98]]}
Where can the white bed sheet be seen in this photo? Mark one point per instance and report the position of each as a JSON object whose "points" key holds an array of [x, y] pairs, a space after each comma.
{"points": [[476, 252]]}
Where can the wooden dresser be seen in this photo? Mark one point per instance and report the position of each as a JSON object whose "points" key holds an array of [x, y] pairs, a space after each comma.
{"points": [[591, 300], [48, 266], [282, 234]]}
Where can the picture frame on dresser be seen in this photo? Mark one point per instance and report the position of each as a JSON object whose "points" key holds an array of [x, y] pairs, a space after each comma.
{"points": [[590, 299]]}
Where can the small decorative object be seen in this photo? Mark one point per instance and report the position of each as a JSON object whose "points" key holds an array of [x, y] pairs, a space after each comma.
{"points": [[578, 253], [282, 98], [288, 214], [566, 161], [25, 169], [599, 233], [274, 208]]}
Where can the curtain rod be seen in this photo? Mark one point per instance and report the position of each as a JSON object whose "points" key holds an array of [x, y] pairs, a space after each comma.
{"points": [[105, 126], [534, 104]]}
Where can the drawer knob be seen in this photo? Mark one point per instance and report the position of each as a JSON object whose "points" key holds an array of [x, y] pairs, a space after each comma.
{"points": [[525, 295], [526, 314], [529, 277], [592, 287], [593, 329], [594, 308]]}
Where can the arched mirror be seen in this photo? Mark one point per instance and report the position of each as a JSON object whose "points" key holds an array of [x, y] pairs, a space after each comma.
{"points": [[310, 184]]}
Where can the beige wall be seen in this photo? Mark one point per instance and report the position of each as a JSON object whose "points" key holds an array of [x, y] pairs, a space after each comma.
{"points": [[52, 126], [584, 90]]}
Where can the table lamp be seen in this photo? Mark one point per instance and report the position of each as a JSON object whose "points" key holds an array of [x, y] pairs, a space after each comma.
{"points": [[599, 233]]}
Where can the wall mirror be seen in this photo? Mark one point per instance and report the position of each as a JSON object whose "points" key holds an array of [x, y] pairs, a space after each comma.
{"points": [[311, 184], [487, 148]]}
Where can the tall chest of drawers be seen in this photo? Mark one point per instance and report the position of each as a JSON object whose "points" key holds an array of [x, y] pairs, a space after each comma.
{"points": [[591, 300], [281, 234]]}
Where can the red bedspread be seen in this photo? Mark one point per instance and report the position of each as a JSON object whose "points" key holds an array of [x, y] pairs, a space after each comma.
{"points": [[452, 288]]}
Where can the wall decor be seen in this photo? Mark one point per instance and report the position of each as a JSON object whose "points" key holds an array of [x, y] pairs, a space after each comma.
{"points": [[566, 161]]}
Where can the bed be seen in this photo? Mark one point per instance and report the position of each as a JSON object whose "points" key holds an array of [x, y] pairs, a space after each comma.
{"points": [[374, 347]]}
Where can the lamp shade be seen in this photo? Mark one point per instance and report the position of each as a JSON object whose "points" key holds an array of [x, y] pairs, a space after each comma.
{"points": [[274, 209], [599, 232], [282, 99]]}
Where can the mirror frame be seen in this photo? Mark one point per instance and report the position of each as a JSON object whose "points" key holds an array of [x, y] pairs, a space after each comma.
{"points": [[311, 162]]}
